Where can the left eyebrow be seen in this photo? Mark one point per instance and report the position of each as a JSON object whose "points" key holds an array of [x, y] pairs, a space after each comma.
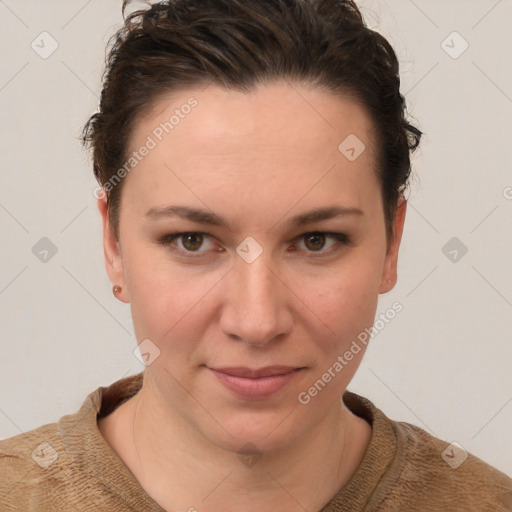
{"points": [[319, 214]]}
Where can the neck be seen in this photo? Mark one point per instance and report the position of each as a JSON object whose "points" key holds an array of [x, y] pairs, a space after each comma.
{"points": [[182, 470]]}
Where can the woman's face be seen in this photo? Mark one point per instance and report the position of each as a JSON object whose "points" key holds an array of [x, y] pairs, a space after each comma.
{"points": [[260, 280]]}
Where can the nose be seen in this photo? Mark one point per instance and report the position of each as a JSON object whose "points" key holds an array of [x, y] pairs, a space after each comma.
{"points": [[257, 305]]}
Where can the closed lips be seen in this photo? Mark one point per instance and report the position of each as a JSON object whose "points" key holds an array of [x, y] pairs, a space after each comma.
{"points": [[248, 373]]}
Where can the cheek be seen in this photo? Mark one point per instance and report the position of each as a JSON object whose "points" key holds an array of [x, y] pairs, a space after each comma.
{"points": [[162, 302], [168, 301], [345, 301], [157, 295]]}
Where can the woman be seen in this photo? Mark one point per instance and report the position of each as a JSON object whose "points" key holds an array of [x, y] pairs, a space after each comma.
{"points": [[252, 158]]}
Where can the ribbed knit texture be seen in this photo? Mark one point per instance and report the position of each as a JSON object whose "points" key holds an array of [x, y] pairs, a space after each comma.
{"points": [[402, 469]]}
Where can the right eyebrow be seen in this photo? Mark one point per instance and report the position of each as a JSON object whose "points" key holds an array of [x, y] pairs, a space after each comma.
{"points": [[185, 212]]}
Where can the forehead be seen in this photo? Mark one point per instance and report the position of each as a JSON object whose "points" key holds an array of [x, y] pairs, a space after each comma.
{"points": [[281, 134], [276, 113]]}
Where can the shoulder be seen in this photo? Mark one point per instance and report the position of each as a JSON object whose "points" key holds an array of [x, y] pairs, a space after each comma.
{"points": [[58, 465], [29, 464], [439, 475], [418, 472]]}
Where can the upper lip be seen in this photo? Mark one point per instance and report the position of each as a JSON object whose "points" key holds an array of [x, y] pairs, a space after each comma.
{"points": [[267, 371]]}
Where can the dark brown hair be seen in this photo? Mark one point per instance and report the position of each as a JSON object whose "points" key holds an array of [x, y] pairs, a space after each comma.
{"points": [[239, 44]]}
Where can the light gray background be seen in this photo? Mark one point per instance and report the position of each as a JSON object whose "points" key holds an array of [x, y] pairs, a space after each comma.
{"points": [[444, 363]]}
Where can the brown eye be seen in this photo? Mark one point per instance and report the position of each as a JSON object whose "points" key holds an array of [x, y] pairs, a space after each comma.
{"points": [[316, 244], [192, 241], [314, 241], [190, 244]]}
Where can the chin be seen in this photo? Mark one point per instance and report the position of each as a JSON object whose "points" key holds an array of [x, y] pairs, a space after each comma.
{"points": [[256, 432]]}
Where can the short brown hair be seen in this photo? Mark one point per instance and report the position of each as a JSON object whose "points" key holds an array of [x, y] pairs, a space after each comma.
{"points": [[239, 44]]}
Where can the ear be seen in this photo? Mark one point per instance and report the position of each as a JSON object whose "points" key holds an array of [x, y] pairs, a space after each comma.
{"points": [[112, 251], [391, 260]]}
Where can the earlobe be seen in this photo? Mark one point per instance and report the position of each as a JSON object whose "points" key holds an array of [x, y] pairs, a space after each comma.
{"points": [[111, 251]]}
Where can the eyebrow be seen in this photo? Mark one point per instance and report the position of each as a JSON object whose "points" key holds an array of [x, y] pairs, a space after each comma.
{"points": [[207, 217]]}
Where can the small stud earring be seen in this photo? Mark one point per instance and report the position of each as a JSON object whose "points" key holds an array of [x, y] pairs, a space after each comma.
{"points": [[116, 289]]}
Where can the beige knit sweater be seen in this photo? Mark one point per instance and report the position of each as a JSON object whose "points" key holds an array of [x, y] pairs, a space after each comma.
{"points": [[68, 466]]}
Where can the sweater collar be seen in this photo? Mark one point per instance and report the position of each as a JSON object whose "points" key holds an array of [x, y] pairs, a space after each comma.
{"points": [[85, 444]]}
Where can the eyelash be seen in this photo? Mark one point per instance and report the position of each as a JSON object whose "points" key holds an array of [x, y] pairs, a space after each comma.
{"points": [[342, 238]]}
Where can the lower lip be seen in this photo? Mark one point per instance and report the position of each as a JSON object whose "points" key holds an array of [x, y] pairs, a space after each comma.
{"points": [[254, 389]]}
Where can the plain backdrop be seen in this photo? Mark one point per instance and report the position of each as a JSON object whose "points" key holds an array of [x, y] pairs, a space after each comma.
{"points": [[443, 363]]}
